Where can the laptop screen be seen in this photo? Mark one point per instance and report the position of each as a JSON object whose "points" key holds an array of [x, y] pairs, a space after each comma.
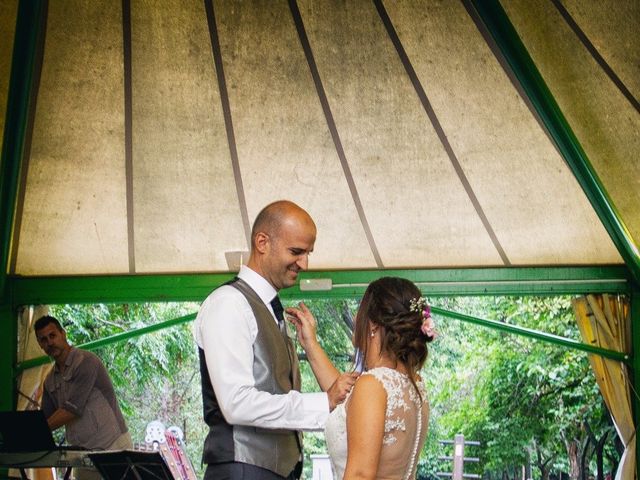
{"points": [[25, 431]]}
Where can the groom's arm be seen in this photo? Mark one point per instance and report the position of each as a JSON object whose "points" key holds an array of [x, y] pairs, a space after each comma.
{"points": [[226, 331], [306, 330], [329, 378]]}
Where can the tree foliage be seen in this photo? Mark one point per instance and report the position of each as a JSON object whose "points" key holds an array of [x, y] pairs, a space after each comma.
{"points": [[529, 403], [155, 375]]}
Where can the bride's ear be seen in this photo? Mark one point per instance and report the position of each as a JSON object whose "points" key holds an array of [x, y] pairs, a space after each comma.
{"points": [[373, 329]]}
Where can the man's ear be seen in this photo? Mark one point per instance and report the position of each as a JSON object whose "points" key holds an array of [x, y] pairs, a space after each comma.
{"points": [[261, 242]]}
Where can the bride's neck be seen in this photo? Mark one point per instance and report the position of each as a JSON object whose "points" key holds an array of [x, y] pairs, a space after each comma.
{"points": [[388, 362]]}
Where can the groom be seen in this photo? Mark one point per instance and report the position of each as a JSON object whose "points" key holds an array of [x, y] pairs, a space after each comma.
{"points": [[249, 367]]}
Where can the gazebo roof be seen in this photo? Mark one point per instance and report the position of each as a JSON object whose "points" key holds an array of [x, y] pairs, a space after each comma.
{"points": [[475, 147], [417, 134]]}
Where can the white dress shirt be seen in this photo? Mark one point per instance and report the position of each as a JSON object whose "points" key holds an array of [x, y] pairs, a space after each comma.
{"points": [[225, 328]]}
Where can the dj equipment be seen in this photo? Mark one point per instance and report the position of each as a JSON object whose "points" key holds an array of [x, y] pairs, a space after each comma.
{"points": [[26, 442], [59, 458]]}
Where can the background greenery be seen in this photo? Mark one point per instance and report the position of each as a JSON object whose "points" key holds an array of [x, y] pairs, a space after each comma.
{"points": [[534, 407]]}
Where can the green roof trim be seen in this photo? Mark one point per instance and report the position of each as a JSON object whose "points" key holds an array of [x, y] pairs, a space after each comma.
{"points": [[345, 284]]}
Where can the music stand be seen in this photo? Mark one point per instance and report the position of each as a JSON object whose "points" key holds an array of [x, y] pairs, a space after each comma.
{"points": [[131, 465]]}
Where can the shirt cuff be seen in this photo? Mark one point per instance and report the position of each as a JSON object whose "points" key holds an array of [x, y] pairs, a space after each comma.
{"points": [[72, 408], [316, 408]]}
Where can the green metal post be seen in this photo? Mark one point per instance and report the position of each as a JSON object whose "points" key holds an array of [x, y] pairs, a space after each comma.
{"points": [[499, 26], [635, 376], [8, 337], [29, 21]]}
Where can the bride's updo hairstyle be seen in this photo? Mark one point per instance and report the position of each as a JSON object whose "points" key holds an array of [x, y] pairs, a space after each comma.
{"points": [[389, 302]]}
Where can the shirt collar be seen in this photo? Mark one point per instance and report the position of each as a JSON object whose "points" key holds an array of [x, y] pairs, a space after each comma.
{"points": [[258, 283], [67, 361]]}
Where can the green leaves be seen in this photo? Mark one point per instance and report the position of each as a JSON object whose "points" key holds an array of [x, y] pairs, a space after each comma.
{"points": [[523, 399], [155, 375], [526, 397]]}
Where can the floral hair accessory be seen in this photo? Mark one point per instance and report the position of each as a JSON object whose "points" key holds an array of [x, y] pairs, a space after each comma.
{"points": [[428, 326]]}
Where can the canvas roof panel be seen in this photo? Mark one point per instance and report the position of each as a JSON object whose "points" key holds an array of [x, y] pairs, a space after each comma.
{"points": [[410, 141], [74, 217]]}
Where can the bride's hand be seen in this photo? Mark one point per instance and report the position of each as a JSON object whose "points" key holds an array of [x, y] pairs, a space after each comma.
{"points": [[305, 324]]}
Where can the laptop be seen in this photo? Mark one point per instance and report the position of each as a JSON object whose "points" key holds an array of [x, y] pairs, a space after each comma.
{"points": [[25, 431]]}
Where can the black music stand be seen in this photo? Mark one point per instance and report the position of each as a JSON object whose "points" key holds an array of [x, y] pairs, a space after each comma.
{"points": [[131, 465]]}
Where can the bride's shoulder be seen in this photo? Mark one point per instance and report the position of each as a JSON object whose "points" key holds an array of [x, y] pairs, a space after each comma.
{"points": [[368, 389], [385, 373], [372, 376], [388, 378]]}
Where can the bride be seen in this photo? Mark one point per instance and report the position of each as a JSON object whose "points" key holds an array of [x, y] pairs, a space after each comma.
{"points": [[379, 431]]}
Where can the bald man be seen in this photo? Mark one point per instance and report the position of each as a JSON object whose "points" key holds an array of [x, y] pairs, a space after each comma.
{"points": [[248, 364]]}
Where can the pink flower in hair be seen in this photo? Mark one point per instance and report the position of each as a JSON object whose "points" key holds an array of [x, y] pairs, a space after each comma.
{"points": [[428, 326]]}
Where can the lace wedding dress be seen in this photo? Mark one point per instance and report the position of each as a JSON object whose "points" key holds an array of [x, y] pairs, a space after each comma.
{"points": [[405, 428]]}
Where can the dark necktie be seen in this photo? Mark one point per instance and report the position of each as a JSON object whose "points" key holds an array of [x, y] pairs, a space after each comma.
{"points": [[278, 311]]}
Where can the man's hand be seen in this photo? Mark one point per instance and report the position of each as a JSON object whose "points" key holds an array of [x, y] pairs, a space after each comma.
{"points": [[341, 388], [305, 324], [59, 418]]}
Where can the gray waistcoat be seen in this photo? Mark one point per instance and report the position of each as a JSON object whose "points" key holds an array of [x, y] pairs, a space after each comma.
{"points": [[275, 369]]}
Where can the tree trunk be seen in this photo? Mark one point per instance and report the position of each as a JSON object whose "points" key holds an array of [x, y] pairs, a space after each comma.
{"points": [[527, 475], [542, 463], [584, 459], [598, 445], [574, 462], [600, 455]]}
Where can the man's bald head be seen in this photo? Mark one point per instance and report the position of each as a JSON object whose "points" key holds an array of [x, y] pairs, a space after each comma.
{"points": [[282, 238], [271, 218]]}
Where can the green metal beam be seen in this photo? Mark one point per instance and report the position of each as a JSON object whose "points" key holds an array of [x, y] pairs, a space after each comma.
{"points": [[8, 353], [29, 22], [534, 334], [499, 26], [117, 338], [635, 366], [114, 288], [8, 339], [478, 281], [523, 67], [346, 284]]}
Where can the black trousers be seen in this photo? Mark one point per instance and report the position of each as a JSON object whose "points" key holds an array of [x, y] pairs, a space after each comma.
{"points": [[244, 471]]}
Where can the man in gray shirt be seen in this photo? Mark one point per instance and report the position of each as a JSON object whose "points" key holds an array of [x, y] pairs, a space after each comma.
{"points": [[78, 394]]}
